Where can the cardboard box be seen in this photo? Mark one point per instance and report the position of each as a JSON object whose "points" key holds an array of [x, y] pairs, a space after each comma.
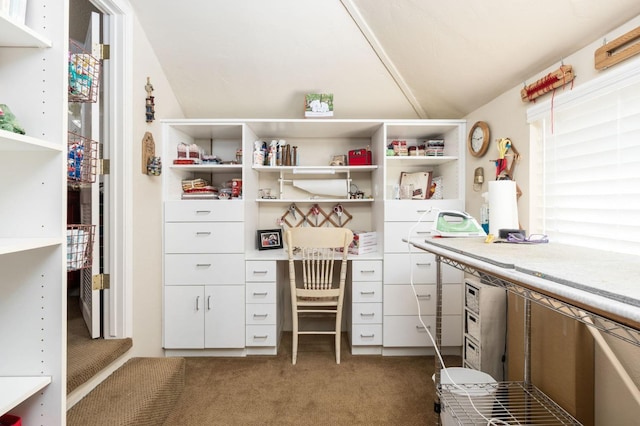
{"points": [[360, 157], [363, 243]]}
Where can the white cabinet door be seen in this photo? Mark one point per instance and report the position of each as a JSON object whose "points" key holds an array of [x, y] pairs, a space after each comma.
{"points": [[184, 317], [224, 316]]}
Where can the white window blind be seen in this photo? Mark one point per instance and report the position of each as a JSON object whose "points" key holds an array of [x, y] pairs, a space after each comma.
{"points": [[585, 163]]}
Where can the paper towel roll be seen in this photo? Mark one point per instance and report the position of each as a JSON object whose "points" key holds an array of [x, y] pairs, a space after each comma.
{"points": [[503, 206]]}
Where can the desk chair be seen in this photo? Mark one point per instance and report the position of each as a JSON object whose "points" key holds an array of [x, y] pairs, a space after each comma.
{"points": [[314, 290]]}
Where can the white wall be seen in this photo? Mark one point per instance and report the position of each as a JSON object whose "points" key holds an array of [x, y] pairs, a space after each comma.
{"points": [[506, 116], [147, 196]]}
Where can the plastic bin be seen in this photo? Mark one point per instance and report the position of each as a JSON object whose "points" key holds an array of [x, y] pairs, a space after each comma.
{"points": [[477, 386]]}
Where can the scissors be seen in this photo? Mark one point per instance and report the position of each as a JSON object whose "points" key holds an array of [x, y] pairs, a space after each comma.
{"points": [[292, 210], [338, 209], [315, 210]]}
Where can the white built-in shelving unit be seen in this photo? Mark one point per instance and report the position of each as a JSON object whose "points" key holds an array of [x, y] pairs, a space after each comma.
{"points": [[33, 67]]}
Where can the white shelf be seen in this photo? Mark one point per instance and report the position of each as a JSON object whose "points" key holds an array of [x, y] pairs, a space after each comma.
{"points": [[314, 200], [14, 390], [420, 160], [14, 245], [10, 141], [208, 168], [14, 34], [315, 169]]}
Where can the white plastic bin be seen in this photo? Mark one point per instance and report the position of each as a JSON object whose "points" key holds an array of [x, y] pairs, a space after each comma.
{"points": [[456, 406]]}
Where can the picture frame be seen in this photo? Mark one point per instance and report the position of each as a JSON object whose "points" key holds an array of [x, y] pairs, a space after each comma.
{"points": [[269, 239], [421, 182]]}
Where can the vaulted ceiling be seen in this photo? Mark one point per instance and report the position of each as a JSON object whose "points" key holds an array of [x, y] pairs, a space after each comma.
{"points": [[380, 58]]}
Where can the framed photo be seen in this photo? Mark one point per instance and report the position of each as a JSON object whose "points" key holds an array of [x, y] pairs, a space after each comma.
{"points": [[421, 182], [269, 239]]}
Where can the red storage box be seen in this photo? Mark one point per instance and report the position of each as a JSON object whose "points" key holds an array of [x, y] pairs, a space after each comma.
{"points": [[360, 157], [10, 420]]}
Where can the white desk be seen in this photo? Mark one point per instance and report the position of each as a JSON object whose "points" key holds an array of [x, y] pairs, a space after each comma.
{"points": [[595, 287]]}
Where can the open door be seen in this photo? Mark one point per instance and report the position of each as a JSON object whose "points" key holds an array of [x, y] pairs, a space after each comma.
{"points": [[84, 121]]}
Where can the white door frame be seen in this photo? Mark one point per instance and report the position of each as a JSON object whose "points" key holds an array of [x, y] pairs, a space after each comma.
{"points": [[118, 310]]}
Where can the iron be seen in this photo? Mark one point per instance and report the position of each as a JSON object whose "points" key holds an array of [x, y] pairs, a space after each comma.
{"points": [[453, 223]]}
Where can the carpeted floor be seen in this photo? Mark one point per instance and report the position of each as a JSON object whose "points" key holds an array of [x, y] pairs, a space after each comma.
{"points": [[86, 356], [269, 390]]}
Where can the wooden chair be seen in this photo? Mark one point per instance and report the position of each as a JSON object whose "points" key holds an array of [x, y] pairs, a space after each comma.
{"points": [[315, 289]]}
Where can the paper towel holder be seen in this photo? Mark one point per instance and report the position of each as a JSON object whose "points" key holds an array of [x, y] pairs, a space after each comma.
{"points": [[478, 178]]}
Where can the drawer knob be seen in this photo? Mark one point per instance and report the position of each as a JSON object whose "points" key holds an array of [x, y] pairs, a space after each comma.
{"points": [[367, 336], [367, 271], [262, 293], [260, 272], [427, 264], [203, 211], [424, 296], [260, 315], [370, 314], [421, 327], [364, 293], [203, 233], [261, 336], [202, 265]]}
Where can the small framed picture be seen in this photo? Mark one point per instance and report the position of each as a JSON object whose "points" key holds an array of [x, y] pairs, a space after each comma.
{"points": [[269, 239]]}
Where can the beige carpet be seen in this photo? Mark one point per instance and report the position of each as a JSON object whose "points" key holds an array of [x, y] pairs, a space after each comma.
{"points": [[85, 356], [269, 390]]}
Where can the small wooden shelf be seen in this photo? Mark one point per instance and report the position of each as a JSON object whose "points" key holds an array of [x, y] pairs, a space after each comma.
{"points": [[15, 390], [315, 169]]}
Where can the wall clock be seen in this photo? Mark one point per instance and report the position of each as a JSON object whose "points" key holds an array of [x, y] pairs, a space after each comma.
{"points": [[478, 140]]}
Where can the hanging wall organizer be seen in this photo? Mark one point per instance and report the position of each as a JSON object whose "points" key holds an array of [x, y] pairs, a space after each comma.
{"points": [[551, 81], [618, 50]]}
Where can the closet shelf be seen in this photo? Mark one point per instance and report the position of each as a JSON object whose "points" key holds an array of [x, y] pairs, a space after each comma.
{"points": [[10, 141], [15, 245], [14, 390], [13, 34]]}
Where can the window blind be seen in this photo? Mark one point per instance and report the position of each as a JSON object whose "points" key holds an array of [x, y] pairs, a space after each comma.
{"points": [[585, 163]]}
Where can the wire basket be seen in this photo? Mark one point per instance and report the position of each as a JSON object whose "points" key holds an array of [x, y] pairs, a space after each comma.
{"points": [[80, 246], [82, 159], [84, 75]]}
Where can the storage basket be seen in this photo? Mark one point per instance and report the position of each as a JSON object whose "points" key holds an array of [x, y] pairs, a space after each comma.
{"points": [[84, 74], [80, 246], [82, 159]]}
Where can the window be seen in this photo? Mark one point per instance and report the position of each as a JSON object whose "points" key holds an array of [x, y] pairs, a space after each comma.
{"points": [[585, 170]]}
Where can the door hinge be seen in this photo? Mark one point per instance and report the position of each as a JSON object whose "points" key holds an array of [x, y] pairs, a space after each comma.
{"points": [[105, 51], [100, 282], [105, 166]]}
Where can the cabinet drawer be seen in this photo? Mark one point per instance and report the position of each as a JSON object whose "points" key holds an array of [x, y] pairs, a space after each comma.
{"points": [[401, 331], [261, 271], [261, 292], [366, 292], [366, 270], [366, 313], [261, 335], [398, 268], [471, 353], [394, 232], [366, 334], [185, 269], [472, 324], [203, 211], [414, 210], [401, 300], [204, 237], [261, 313]]}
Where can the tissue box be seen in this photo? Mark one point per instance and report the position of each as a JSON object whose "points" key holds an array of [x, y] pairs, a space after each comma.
{"points": [[360, 157]]}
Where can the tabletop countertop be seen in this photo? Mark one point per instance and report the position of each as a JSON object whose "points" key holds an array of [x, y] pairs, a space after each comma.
{"points": [[596, 280]]}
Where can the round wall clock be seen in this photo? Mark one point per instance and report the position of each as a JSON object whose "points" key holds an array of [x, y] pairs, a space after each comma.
{"points": [[478, 140]]}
